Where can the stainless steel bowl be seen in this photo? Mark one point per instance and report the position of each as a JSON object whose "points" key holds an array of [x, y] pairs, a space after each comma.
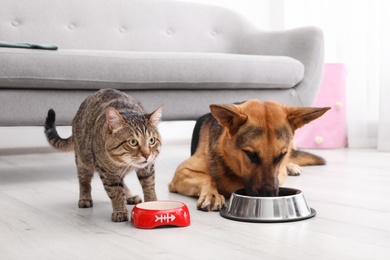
{"points": [[289, 205]]}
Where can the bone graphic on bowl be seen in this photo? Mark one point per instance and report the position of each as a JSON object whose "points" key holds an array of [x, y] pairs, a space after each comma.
{"points": [[168, 218]]}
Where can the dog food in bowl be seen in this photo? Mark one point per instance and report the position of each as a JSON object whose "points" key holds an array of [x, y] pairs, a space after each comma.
{"points": [[160, 213], [289, 205]]}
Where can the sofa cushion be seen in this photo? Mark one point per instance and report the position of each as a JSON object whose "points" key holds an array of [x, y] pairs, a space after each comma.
{"points": [[89, 69]]}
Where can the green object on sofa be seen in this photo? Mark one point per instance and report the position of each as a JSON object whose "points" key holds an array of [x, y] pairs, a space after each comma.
{"points": [[27, 45]]}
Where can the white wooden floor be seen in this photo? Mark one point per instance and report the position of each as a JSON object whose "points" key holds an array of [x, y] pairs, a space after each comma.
{"points": [[39, 217]]}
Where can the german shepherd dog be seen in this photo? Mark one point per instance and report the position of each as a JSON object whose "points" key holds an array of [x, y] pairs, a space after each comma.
{"points": [[245, 145]]}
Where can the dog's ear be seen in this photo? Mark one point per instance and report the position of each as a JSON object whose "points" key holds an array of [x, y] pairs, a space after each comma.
{"points": [[299, 116], [228, 116]]}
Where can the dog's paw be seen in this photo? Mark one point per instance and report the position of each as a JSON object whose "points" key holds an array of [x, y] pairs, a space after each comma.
{"points": [[85, 203], [120, 216], [293, 169], [211, 202], [133, 200]]}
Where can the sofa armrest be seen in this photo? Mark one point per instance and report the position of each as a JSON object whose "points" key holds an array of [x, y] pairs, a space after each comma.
{"points": [[305, 44]]}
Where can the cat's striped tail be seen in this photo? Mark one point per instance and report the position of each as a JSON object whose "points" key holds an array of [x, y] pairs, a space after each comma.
{"points": [[52, 136]]}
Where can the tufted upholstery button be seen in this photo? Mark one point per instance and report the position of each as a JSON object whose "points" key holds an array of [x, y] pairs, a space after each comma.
{"points": [[71, 26], [213, 33], [15, 23], [169, 32], [122, 29], [318, 139]]}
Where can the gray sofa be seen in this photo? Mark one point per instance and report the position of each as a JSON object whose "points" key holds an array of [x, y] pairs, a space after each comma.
{"points": [[179, 54]]}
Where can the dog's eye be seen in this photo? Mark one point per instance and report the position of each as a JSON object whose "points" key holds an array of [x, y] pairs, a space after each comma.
{"points": [[279, 158], [252, 156]]}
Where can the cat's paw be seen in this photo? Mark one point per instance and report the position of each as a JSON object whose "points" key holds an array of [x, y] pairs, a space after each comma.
{"points": [[85, 203], [120, 216], [293, 169], [213, 202], [133, 200]]}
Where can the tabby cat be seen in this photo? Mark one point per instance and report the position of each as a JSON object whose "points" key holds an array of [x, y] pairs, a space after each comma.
{"points": [[111, 134]]}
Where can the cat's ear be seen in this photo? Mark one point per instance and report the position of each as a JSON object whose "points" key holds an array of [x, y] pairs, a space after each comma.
{"points": [[113, 119], [155, 117]]}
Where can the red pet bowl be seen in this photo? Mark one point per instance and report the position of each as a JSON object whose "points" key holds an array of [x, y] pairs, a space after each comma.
{"points": [[160, 213]]}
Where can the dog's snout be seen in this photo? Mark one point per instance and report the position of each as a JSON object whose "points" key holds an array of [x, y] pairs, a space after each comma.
{"points": [[264, 187]]}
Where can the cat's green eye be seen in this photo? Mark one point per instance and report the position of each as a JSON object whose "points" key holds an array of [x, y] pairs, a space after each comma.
{"points": [[133, 142], [152, 141]]}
